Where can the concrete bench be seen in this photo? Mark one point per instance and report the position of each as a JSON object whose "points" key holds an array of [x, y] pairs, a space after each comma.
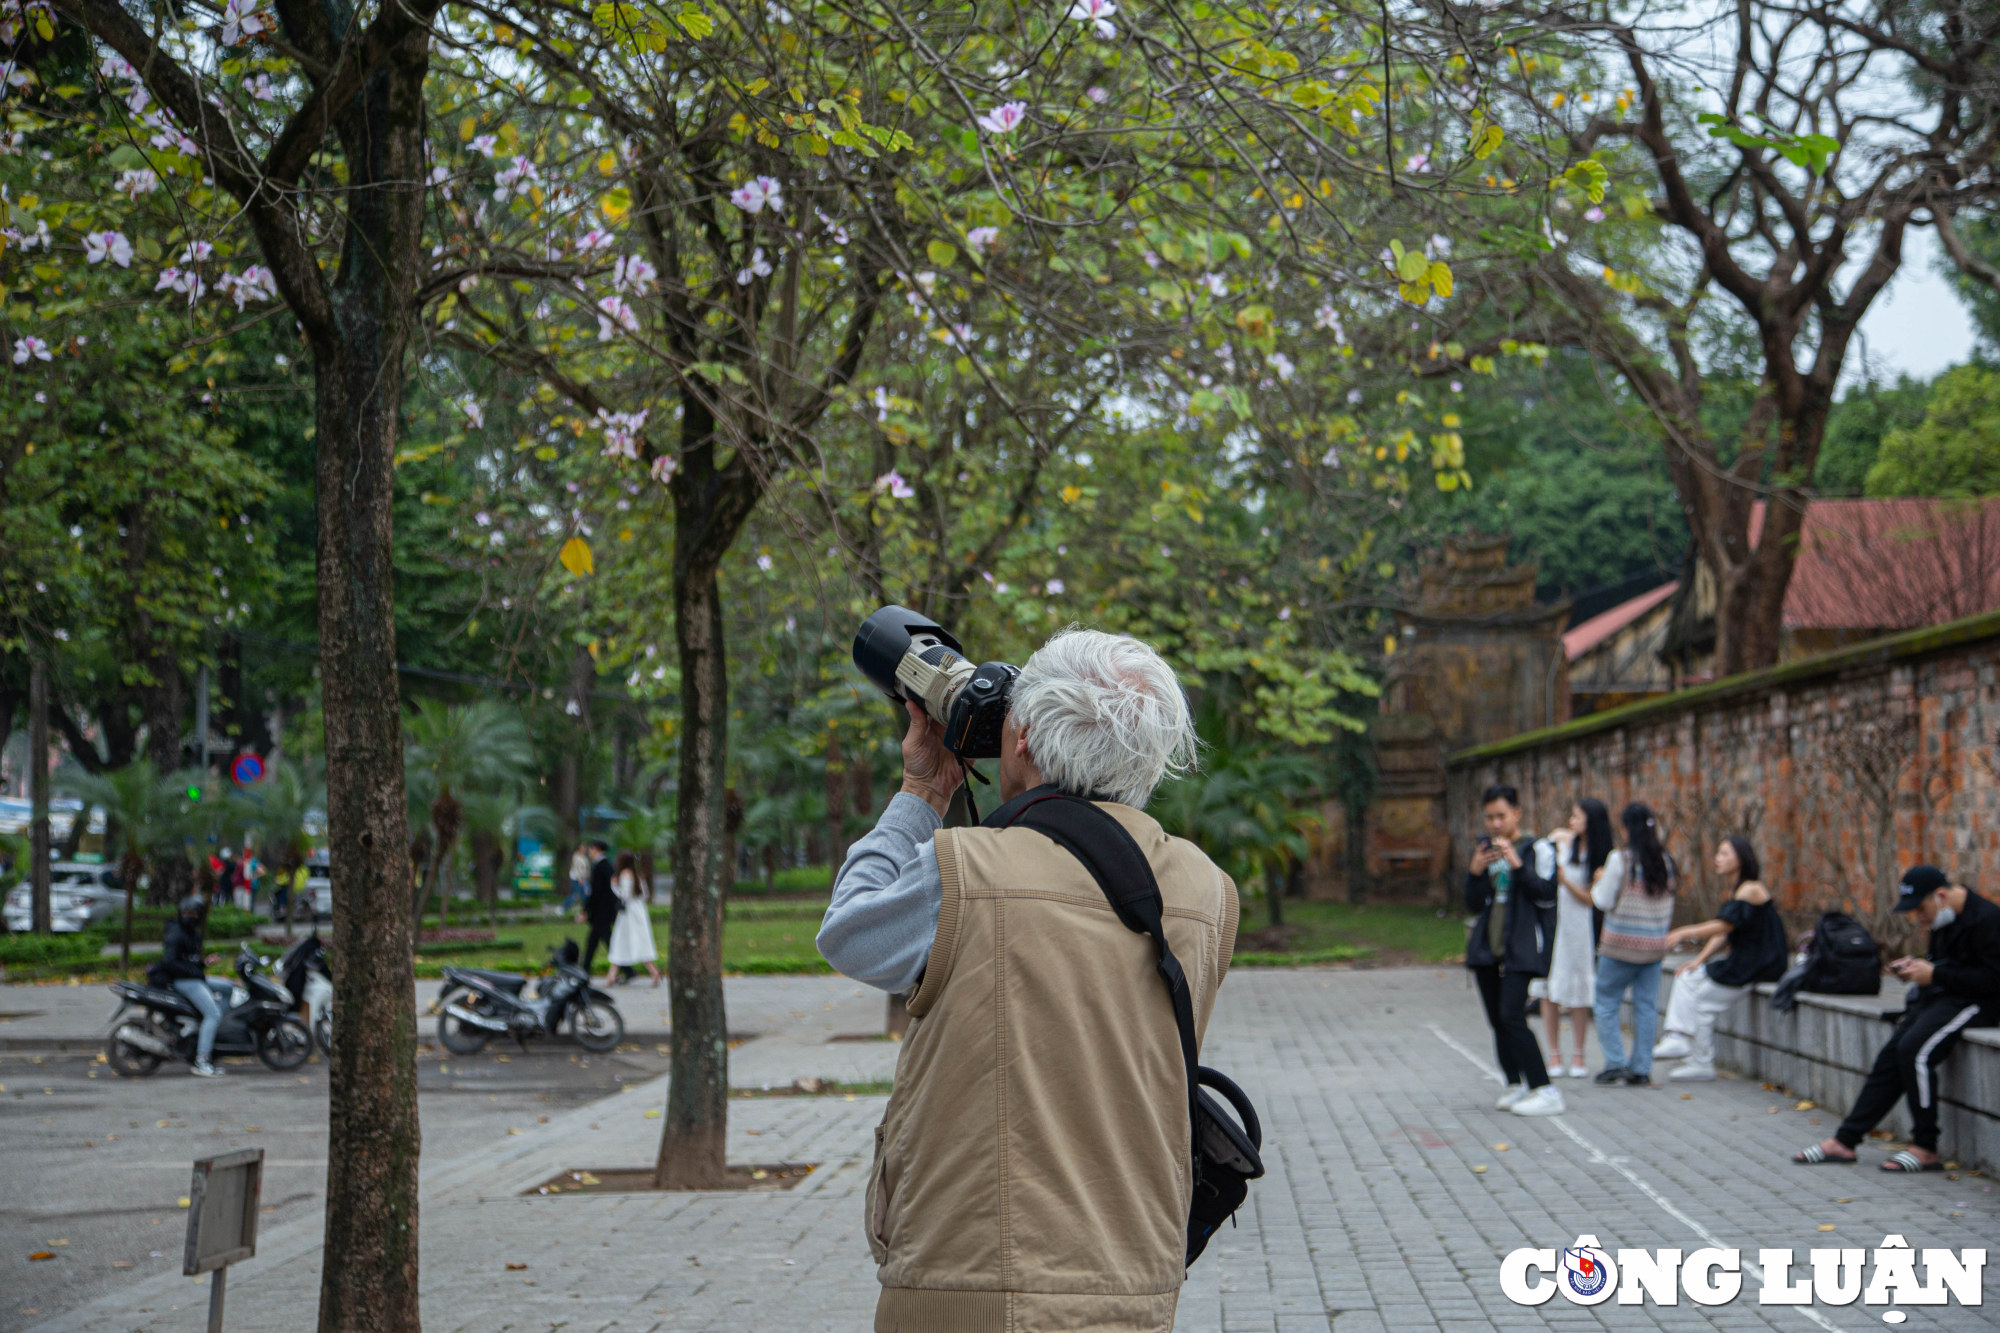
{"points": [[1825, 1047]]}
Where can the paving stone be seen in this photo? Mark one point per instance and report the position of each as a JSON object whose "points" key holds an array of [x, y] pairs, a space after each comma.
{"points": [[1372, 1219]]}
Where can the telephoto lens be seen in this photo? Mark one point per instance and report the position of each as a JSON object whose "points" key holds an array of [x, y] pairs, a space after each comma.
{"points": [[909, 656]]}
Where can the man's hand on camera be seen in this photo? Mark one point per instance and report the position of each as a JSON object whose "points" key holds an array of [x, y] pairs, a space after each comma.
{"points": [[929, 772]]}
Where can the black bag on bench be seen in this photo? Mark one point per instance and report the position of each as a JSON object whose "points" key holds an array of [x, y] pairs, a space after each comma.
{"points": [[1225, 1154]]}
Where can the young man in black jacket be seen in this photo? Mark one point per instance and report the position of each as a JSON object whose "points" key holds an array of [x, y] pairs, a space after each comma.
{"points": [[1511, 894], [184, 967], [602, 906], [1958, 987]]}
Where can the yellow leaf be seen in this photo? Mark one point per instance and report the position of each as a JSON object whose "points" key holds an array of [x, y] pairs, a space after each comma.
{"points": [[1439, 276], [616, 203], [1487, 142], [576, 558], [466, 129], [607, 165], [1555, 103], [1071, 494]]}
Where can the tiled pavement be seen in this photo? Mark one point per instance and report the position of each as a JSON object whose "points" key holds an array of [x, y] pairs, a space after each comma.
{"points": [[1377, 1096]]}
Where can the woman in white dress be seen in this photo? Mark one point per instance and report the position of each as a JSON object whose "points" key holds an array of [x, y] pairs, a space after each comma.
{"points": [[632, 936], [1581, 850]]}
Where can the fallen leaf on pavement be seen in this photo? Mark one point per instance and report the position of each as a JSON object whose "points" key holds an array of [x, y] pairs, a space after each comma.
{"points": [[1826, 1226], [515, 1268], [653, 1113], [39, 1255], [1807, 1105], [181, 1202]]}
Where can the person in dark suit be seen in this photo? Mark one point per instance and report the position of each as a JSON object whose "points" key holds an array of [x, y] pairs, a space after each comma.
{"points": [[601, 906]]}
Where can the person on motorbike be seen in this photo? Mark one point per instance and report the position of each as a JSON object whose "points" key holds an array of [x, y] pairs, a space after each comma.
{"points": [[184, 962]]}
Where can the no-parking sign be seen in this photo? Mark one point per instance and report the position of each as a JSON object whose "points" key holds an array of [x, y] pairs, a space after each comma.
{"points": [[247, 769]]}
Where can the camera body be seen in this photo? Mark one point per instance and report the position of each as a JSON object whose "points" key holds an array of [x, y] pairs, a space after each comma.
{"points": [[912, 657]]}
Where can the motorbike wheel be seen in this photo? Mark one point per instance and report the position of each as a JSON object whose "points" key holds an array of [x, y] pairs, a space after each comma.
{"points": [[130, 1061], [597, 1026], [323, 1034], [286, 1043], [462, 1038]]}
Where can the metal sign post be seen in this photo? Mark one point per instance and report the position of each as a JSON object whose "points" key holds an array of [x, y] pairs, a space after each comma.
{"points": [[222, 1220]]}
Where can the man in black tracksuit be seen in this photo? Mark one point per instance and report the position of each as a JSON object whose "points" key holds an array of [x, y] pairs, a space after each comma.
{"points": [[1513, 902], [601, 907], [1957, 987]]}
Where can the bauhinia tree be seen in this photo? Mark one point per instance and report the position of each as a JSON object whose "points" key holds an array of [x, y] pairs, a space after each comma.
{"points": [[1786, 151], [308, 126]]}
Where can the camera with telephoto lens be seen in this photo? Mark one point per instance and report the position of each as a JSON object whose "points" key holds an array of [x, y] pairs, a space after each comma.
{"points": [[913, 657]]}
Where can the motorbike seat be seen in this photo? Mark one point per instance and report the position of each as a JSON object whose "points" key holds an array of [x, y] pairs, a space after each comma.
{"points": [[511, 982], [173, 1001]]}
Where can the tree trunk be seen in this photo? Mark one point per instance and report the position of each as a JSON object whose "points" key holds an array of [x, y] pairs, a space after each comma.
{"points": [[836, 799], [38, 792], [368, 1279], [1357, 854], [692, 1147]]}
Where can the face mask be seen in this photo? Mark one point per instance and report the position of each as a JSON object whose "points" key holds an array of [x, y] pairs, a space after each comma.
{"points": [[1945, 916]]}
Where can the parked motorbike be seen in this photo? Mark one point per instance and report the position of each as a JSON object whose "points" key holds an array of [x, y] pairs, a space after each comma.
{"points": [[260, 1021], [477, 1005], [302, 968]]}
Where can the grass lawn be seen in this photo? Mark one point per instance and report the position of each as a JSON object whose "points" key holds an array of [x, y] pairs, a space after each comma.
{"points": [[764, 936], [1383, 934]]}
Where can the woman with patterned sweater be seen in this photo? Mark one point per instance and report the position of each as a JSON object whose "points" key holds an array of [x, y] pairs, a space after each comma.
{"points": [[1636, 893]]}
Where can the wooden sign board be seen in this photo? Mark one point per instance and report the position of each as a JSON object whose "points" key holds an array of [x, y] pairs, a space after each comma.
{"points": [[222, 1210]]}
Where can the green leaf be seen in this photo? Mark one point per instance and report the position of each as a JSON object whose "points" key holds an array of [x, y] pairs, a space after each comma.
{"points": [[941, 253], [697, 24], [1411, 266], [1590, 177], [1486, 142]]}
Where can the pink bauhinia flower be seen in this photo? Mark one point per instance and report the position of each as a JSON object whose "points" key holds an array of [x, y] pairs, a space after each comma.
{"points": [[475, 412], [99, 246], [240, 19], [1005, 118], [759, 267], [484, 144], [28, 348], [759, 194], [981, 239], [595, 239], [631, 273], [612, 315], [1096, 12], [892, 482]]}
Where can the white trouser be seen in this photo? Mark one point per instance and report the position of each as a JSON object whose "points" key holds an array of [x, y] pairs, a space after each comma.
{"points": [[1693, 1008]]}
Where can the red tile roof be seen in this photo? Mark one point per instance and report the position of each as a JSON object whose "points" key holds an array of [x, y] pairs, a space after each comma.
{"points": [[1604, 624], [1865, 565], [1892, 564]]}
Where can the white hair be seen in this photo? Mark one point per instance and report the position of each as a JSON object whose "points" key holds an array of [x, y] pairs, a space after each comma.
{"points": [[1104, 716]]}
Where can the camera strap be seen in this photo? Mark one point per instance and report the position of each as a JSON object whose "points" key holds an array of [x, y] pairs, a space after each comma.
{"points": [[1225, 1157]]}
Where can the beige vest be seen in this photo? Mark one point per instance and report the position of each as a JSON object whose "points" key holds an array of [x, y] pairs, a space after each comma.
{"points": [[1032, 1170]]}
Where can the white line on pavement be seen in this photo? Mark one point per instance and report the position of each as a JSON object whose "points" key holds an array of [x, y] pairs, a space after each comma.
{"points": [[1476, 1059], [1598, 1156]]}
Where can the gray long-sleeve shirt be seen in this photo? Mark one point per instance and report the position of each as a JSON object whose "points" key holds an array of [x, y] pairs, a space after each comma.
{"points": [[883, 918]]}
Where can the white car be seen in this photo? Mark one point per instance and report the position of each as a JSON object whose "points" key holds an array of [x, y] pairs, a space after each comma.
{"points": [[81, 897]]}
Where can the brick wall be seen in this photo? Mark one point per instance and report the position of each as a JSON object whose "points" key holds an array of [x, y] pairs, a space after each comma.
{"points": [[1842, 770]]}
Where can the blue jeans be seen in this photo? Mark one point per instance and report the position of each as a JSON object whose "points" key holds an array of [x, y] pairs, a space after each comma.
{"points": [[578, 891], [1614, 978], [211, 996]]}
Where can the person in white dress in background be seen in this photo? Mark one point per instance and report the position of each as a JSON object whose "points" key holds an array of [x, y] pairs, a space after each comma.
{"points": [[1582, 847], [632, 937]]}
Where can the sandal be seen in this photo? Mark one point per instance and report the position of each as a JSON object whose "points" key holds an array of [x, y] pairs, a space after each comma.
{"points": [[1818, 1156], [1909, 1161]]}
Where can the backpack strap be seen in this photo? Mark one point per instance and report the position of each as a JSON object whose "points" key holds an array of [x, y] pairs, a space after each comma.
{"points": [[1114, 860]]}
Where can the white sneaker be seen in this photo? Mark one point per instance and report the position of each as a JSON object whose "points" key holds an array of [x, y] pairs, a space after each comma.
{"points": [[1673, 1046], [1693, 1073], [1544, 1100], [1578, 1071], [1515, 1092], [204, 1070]]}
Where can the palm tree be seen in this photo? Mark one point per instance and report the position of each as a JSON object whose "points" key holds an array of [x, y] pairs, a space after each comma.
{"points": [[450, 752], [147, 811], [645, 830], [492, 821], [1244, 807]]}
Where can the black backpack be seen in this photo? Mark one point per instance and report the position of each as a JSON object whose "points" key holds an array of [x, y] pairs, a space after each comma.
{"points": [[1841, 958], [1225, 1154]]}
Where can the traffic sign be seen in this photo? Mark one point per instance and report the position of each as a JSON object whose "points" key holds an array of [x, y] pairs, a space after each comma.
{"points": [[247, 769]]}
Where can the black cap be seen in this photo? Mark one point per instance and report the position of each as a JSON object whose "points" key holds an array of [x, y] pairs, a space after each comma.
{"points": [[1919, 883]]}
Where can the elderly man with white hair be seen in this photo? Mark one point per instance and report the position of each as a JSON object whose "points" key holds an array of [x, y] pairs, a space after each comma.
{"points": [[1032, 1169]]}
